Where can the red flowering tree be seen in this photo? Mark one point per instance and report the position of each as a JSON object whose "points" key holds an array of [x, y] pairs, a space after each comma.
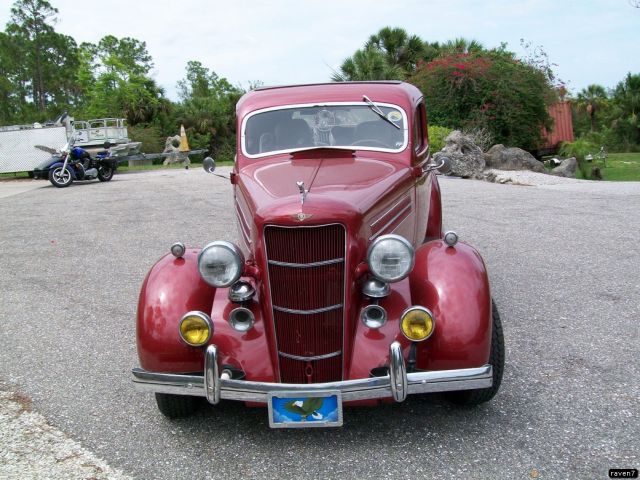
{"points": [[490, 90]]}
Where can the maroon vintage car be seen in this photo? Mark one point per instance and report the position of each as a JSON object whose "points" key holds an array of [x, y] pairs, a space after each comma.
{"points": [[341, 288]]}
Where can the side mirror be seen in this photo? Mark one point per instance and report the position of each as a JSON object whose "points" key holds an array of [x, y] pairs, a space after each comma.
{"points": [[442, 164], [209, 165], [445, 166]]}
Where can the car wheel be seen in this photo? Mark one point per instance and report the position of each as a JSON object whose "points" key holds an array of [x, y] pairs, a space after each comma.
{"points": [[105, 174], [176, 406], [496, 359], [60, 177]]}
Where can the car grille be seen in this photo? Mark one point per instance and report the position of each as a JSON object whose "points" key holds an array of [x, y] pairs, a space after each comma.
{"points": [[306, 276]]}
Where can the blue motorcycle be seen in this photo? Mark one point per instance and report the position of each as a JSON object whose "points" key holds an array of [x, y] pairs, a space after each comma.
{"points": [[75, 163]]}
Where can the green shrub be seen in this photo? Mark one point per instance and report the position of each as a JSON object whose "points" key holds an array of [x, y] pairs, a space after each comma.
{"points": [[151, 138], [437, 135], [491, 91], [579, 149]]}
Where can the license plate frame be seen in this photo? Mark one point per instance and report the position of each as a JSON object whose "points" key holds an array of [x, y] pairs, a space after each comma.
{"points": [[283, 416]]}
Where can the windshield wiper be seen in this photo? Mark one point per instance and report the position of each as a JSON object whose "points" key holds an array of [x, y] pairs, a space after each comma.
{"points": [[377, 111]]}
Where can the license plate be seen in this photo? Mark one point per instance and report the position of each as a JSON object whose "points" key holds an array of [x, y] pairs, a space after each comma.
{"points": [[305, 409]]}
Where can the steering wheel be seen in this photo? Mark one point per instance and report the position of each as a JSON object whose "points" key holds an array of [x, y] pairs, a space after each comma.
{"points": [[370, 142]]}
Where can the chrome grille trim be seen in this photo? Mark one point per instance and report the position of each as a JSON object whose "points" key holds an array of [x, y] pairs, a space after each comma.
{"points": [[344, 289], [310, 359], [307, 312], [306, 265]]}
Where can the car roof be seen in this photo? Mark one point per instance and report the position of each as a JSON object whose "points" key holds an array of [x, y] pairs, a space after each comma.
{"points": [[399, 93]]}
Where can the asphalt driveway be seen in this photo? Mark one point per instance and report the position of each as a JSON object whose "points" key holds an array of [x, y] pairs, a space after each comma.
{"points": [[563, 262]]}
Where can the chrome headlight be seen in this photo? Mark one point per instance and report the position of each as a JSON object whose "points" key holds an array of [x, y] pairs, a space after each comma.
{"points": [[220, 263], [390, 258]]}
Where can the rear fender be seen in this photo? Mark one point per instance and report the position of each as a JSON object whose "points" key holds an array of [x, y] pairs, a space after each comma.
{"points": [[172, 288], [452, 282]]}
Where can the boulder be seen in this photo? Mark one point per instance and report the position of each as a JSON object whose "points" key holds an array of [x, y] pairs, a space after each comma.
{"points": [[567, 168], [512, 158], [466, 157]]}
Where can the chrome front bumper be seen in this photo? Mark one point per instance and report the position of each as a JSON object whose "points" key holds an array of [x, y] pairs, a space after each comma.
{"points": [[397, 385]]}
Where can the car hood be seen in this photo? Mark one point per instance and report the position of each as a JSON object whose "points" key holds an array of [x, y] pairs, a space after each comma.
{"points": [[338, 184]]}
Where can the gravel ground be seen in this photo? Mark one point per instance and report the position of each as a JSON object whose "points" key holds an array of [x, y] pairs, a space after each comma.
{"points": [[563, 264], [31, 448]]}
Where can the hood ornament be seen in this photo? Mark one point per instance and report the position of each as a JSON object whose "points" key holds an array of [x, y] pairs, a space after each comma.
{"points": [[303, 191], [301, 217]]}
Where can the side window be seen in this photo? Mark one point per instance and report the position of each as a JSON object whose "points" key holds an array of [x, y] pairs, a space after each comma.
{"points": [[418, 130]]}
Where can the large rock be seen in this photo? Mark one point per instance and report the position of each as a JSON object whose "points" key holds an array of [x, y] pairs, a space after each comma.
{"points": [[512, 158], [567, 168], [466, 157]]}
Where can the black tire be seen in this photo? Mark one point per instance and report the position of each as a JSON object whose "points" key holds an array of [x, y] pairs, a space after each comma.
{"points": [[60, 178], [105, 173], [496, 359], [176, 406]]}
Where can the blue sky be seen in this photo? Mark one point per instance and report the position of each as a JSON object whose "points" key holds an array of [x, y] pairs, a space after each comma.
{"points": [[295, 41]]}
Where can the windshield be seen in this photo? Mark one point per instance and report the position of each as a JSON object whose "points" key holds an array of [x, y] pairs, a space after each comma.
{"points": [[333, 125]]}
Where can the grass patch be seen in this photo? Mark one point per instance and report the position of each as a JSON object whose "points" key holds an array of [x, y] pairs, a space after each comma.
{"points": [[621, 167], [14, 175]]}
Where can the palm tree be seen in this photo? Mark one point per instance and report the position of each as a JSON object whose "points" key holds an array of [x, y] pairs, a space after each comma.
{"points": [[390, 54], [626, 101], [367, 64], [398, 47], [461, 45], [591, 99]]}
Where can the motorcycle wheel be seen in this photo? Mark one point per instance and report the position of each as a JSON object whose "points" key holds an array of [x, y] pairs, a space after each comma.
{"points": [[105, 173], [60, 177]]}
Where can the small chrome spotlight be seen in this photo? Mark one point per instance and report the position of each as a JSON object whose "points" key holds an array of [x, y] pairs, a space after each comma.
{"points": [[178, 249], [241, 319], [374, 288], [451, 238], [241, 291], [373, 316]]}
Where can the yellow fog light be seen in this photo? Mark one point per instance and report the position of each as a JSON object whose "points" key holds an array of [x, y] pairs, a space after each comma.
{"points": [[196, 328], [417, 323]]}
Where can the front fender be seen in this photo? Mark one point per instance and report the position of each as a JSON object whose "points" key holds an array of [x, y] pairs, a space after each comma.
{"points": [[172, 288], [453, 283], [69, 167]]}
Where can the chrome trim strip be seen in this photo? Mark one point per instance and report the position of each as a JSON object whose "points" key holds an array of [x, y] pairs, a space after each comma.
{"points": [[243, 128], [381, 217], [361, 389], [312, 358], [390, 222], [306, 265], [244, 224], [307, 312]]}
